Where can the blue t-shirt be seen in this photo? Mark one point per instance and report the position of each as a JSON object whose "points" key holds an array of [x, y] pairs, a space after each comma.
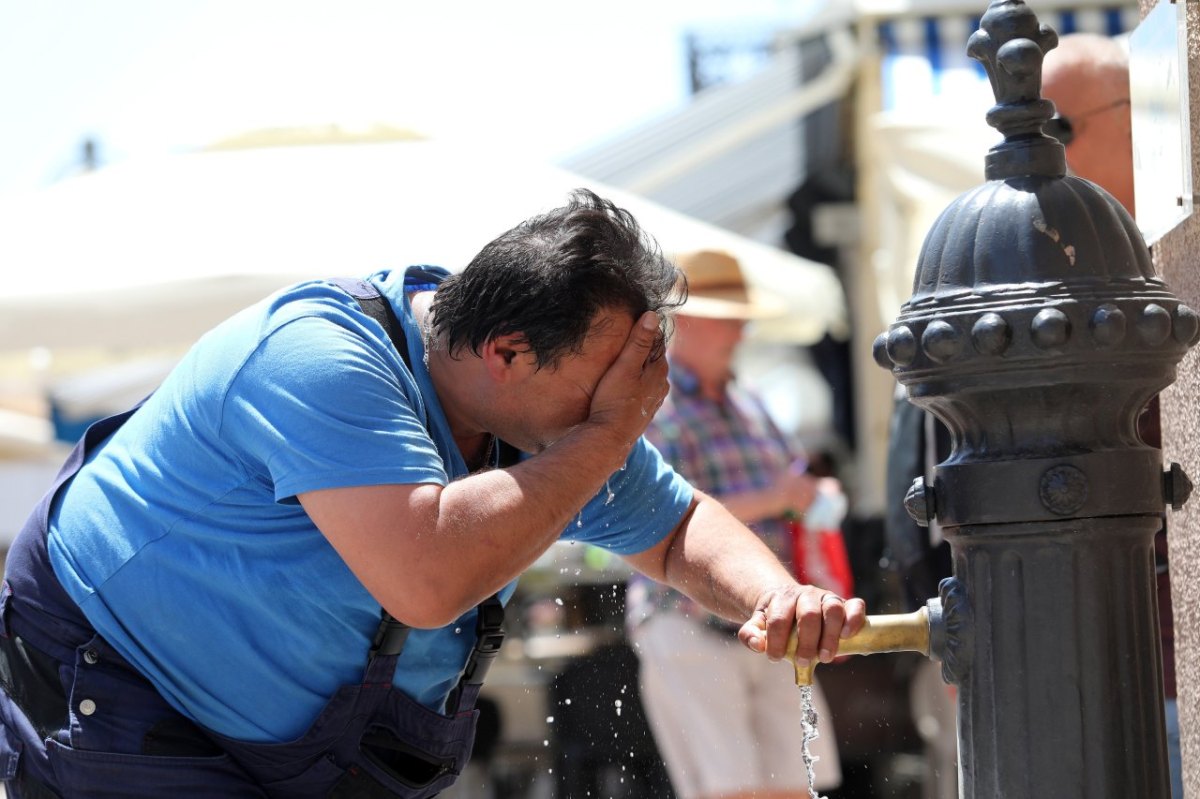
{"points": [[183, 542]]}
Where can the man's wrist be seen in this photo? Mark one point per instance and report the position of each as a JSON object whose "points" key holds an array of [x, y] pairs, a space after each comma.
{"points": [[600, 445]]}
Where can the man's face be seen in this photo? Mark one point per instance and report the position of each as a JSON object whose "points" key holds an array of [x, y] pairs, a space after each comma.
{"points": [[1095, 100], [548, 402], [707, 346]]}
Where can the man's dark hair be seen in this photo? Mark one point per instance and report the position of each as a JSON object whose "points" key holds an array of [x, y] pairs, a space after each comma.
{"points": [[547, 278]]}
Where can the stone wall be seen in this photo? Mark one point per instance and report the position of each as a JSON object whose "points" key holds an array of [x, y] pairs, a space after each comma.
{"points": [[1177, 259]]}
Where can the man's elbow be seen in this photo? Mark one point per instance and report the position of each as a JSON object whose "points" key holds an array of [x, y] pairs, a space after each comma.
{"points": [[672, 549], [431, 606]]}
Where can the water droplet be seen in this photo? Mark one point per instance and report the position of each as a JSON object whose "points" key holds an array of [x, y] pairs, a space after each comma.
{"points": [[458, 630], [611, 496], [567, 701], [549, 719], [558, 601]]}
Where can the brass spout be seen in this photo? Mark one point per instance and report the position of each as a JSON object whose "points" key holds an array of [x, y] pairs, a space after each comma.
{"points": [[900, 632]]}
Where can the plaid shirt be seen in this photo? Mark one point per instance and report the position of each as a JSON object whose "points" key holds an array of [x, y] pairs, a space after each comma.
{"points": [[725, 447]]}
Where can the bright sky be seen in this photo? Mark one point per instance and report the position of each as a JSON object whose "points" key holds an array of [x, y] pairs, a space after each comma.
{"points": [[540, 78]]}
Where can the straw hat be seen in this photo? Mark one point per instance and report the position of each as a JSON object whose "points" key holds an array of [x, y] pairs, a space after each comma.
{"points": [[717, 289]]}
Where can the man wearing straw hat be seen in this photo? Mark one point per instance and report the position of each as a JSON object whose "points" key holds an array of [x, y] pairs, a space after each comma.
{"points": [[727, 723]]}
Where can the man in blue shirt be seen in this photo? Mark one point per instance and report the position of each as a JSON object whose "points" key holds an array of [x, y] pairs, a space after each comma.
{"points": [[282, 574]]}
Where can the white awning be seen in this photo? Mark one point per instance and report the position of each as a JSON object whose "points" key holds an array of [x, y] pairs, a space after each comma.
{"points": [[156, 252], [923, 45], [735, 152]]}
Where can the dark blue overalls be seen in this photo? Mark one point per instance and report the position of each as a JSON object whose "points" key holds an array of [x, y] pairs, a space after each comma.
{"points": [[77, 720]]}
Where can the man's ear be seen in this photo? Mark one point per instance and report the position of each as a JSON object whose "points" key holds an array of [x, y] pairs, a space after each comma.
{"points": [[506, 357]]}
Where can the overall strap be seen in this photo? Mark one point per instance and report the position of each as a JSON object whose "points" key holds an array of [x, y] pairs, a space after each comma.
{"points": [[489, 635], [392, 633], [376, 306]]}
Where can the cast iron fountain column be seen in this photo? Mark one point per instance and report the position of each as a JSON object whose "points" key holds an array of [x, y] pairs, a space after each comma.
{"points": [[1036, 332]]}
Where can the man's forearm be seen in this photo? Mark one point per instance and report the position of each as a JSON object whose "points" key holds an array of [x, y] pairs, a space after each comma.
{"points": [[428, 553], [719, 562], [503, 520], [722, 564]]}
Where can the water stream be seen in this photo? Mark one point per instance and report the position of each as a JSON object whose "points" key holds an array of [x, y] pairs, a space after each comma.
{"points": [[808, 723]]}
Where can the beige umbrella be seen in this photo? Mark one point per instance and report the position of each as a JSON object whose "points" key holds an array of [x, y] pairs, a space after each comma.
{"points": [[158, 251]]}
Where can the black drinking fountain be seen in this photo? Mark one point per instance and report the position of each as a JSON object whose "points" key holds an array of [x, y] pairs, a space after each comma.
{"points": [[1036, 332]]}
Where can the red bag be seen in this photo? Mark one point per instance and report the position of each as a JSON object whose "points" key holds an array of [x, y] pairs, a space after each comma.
{"points": [[820, 558]]}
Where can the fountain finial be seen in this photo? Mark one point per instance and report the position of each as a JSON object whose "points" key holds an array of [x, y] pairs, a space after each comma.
{"points": [[1011, 44]]}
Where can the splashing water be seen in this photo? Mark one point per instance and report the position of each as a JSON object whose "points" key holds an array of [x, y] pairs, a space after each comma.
{"points": [[808, 720], [611, 496]]}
